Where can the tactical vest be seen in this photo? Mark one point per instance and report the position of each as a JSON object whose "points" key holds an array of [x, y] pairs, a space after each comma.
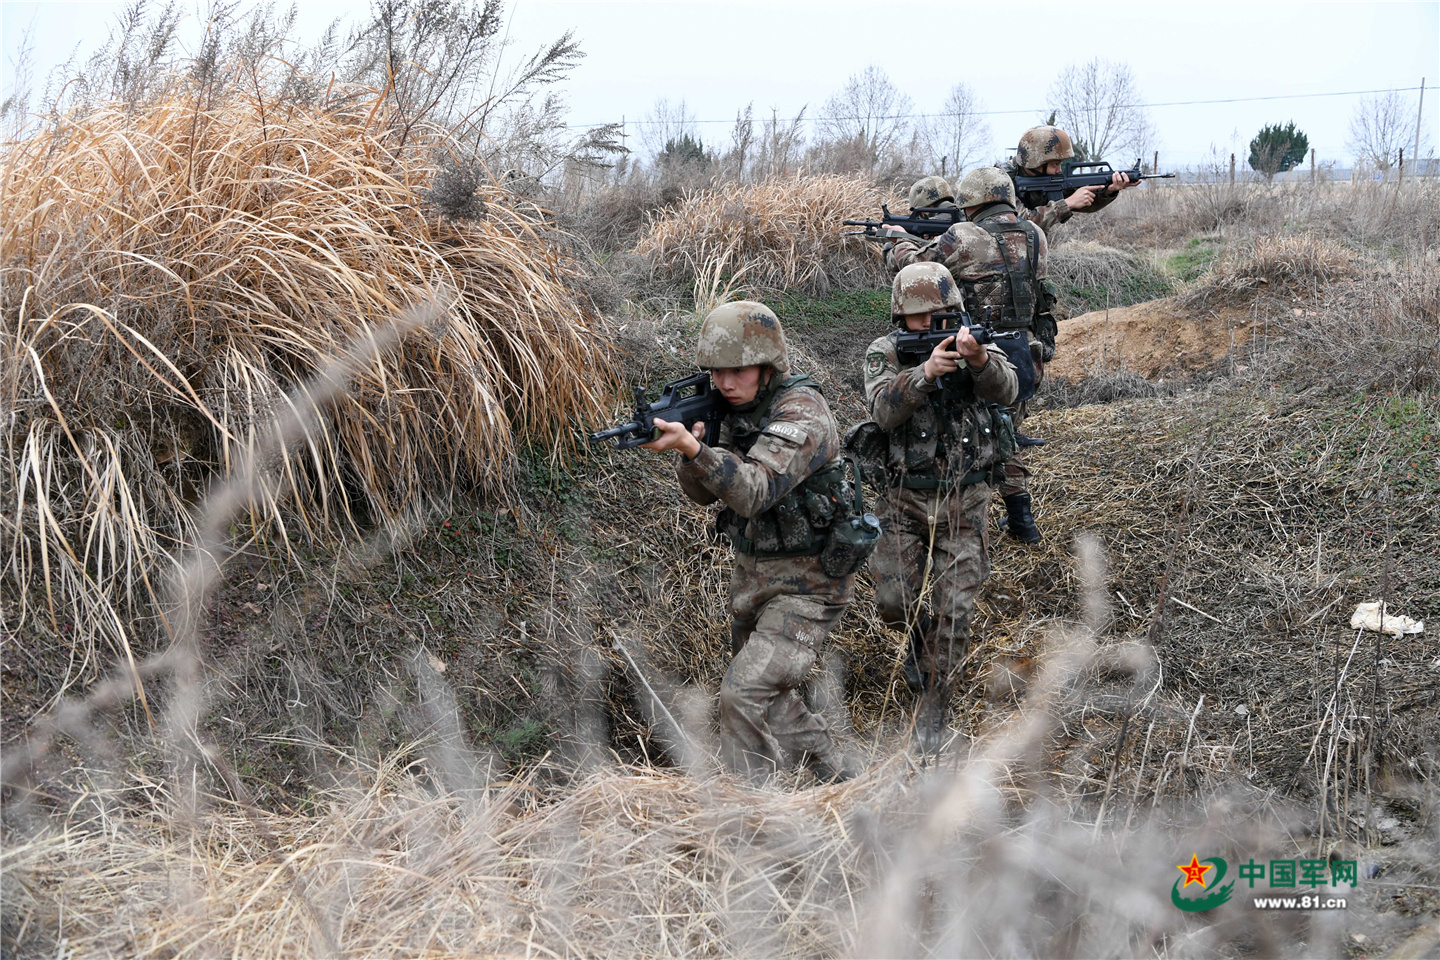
{"points": [[1015, 309], [953, 439], [799, 523]]}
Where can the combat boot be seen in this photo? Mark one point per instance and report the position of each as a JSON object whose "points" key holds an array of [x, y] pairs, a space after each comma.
{"points": [[833, 767], [930, 726], [916, 677], [1019, 523]]}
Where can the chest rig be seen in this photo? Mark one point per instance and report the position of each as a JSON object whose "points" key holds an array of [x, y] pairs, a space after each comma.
{"points": [[1006, 303], [799, 523], [953, 439]]}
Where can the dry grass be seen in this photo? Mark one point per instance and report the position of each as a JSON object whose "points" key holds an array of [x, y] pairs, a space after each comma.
{"points": [[169, 273], [1281, 265], [777, 235], [1090, 276], [1397, 220]]}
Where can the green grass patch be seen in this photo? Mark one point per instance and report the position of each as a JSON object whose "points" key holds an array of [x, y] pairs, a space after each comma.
{"points": [[1372, 442], [1192, 261], [843, 307]]}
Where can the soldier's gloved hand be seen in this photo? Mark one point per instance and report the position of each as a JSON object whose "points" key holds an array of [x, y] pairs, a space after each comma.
{"points": [[1083, 197], [894, 232], [944, 358], [1119, 182], [674, 436]]}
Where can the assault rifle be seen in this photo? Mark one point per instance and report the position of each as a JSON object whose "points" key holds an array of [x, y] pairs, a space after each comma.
{"points": [[687, 400], [913, 347], [920, 222], [1075, 174]]}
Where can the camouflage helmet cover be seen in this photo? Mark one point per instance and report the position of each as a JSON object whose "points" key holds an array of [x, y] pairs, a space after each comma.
{"points": [[922, 288], [741, 334], [930, 192], [985, 185], [1039, 145]]}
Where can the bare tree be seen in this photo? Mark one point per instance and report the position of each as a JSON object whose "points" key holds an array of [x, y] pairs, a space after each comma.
{"points": [[1381, 126], [781, 143], [666, 124], [1099, 104], [867, 122], [957, 135]]}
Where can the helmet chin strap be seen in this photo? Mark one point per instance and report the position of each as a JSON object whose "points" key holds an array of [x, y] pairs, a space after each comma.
{"points": [[767, 382]]}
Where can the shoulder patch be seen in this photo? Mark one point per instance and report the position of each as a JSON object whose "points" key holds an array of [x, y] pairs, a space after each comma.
{"points": [[789, 431], [874, 364]]}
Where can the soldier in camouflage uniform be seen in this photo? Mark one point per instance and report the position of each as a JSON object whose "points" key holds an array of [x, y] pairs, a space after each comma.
{"points": [[998, 261], [925, 192], [775, 466], [1040, 153], [943, 446]]}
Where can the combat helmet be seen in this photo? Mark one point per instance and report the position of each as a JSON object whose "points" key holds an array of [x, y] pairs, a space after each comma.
{"points": [[985, 185], [922, 288], [930, 192], [740, 334], [1039, 145]]}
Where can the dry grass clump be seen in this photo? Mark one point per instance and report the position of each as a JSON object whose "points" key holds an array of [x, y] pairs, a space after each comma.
{"points": [[169, 272], [1091, 276], [1277, 264], [782, 234], [1392, 333]]}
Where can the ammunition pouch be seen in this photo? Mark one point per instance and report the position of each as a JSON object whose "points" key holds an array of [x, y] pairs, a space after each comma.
{"points": [[798, 525]]}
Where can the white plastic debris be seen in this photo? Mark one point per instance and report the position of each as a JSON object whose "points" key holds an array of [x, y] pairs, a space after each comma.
{"points": [[1367, 617]]}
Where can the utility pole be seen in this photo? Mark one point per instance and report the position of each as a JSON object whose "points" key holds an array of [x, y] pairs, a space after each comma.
{"points": [[1155, 163], [1419, 112], [1312, 166], [1232, 168], [1400, 169]]}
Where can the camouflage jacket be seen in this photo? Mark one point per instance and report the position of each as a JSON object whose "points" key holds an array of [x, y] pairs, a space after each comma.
{"points": [[974, 259], [763, 456], [931, 432], [1047, 214]]}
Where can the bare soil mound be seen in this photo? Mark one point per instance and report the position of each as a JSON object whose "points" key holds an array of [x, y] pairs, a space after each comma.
{"points": [[1151, 339]]}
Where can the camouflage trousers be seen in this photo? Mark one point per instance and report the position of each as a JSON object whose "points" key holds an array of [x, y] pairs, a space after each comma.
{"points": [[947, 530], [1017, 471], [782, 610]]}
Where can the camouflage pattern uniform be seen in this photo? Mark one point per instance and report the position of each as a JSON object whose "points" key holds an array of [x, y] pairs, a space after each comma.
{"points": [[974, 258], [782, 606], [942, 450], [926, 192], [1038, 146]]}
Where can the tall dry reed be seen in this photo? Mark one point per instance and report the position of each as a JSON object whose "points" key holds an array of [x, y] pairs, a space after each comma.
{"points": [[170, 272], [780, 234]]}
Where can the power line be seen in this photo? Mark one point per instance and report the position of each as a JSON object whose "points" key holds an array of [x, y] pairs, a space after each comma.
{"points": [[997, 113]]}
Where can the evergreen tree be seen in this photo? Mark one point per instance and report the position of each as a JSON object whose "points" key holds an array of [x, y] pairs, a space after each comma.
{"points": [[1277, 149]]}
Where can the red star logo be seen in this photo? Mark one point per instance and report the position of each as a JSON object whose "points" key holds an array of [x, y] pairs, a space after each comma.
{"points": [[1194, 871]]}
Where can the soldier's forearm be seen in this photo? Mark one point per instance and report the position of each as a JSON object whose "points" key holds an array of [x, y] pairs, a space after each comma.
{"points": [[894, 402], [690, 482], [747, 488], [996, 381]]}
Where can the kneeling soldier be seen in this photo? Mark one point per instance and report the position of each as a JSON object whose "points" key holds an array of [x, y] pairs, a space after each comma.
{"points": [[944, 447], [776, 466]]}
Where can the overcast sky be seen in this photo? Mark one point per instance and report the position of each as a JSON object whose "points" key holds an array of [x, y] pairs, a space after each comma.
{"points": [[718, 57]]}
